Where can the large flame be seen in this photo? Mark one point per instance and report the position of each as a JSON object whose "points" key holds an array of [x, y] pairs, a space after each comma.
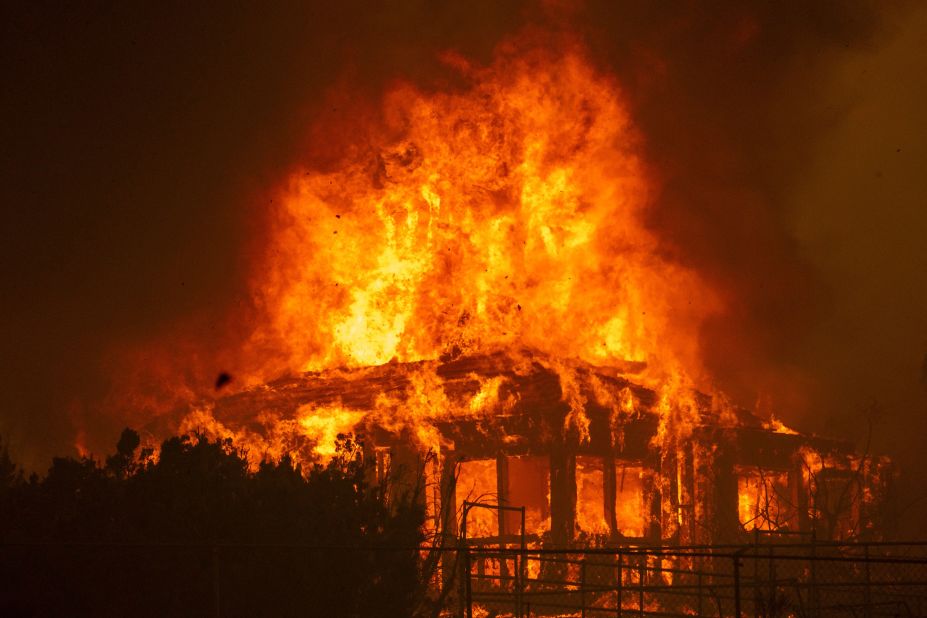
{"points": [[510, 213], [507, 213]]}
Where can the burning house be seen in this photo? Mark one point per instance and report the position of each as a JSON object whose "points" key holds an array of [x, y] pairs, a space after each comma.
{"points": [[469, 278], [470, 283], [559, 270], [584, 449], [479, 284]]}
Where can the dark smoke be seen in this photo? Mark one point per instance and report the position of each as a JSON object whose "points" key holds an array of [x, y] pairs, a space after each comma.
{"points": [[140, 141]]}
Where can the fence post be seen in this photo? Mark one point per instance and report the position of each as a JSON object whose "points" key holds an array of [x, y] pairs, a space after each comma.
{"points": [[736, 558], [215, 581], [773, 576], [868, 588], [463, 557], [468, 585], [618, 586], [582, 587], [640, 594], [522, 568], [813, 566], [699, 606], [756, 572]]}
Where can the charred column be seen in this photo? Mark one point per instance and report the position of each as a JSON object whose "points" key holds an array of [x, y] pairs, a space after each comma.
{"points": [[562, 495]]}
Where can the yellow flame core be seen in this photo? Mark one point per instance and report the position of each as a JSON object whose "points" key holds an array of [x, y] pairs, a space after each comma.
{"points": [[324, 424]]}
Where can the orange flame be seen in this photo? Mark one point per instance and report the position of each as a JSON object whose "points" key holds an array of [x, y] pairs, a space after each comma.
{"points": [[508, 214]]}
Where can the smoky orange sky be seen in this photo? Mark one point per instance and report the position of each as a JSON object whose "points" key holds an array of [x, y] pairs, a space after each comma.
{"points": [[141, 143]]}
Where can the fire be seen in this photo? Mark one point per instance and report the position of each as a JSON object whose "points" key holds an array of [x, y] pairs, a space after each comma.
{"points": [[504, 215], [630, 501], [508, 214], [503, 222], [765, 500], [476, 483], [590, 487], [324, 425], [311, 435], [774, 424]]}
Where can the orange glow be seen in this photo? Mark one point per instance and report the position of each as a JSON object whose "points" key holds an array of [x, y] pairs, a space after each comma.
{"points": [[476, 482], [528, 486], [505, 215], [629, 498], [504, 220], [778, 426], [590, 495], [764, 500]]}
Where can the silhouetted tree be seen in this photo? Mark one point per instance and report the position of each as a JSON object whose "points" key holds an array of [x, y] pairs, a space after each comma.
{"points": [[196, 532]]}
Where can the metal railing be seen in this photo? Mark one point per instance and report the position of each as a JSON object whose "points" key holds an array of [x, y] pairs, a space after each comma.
{"points": [[763, 579], [771, 577], [513, 576], [516, 576]]}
